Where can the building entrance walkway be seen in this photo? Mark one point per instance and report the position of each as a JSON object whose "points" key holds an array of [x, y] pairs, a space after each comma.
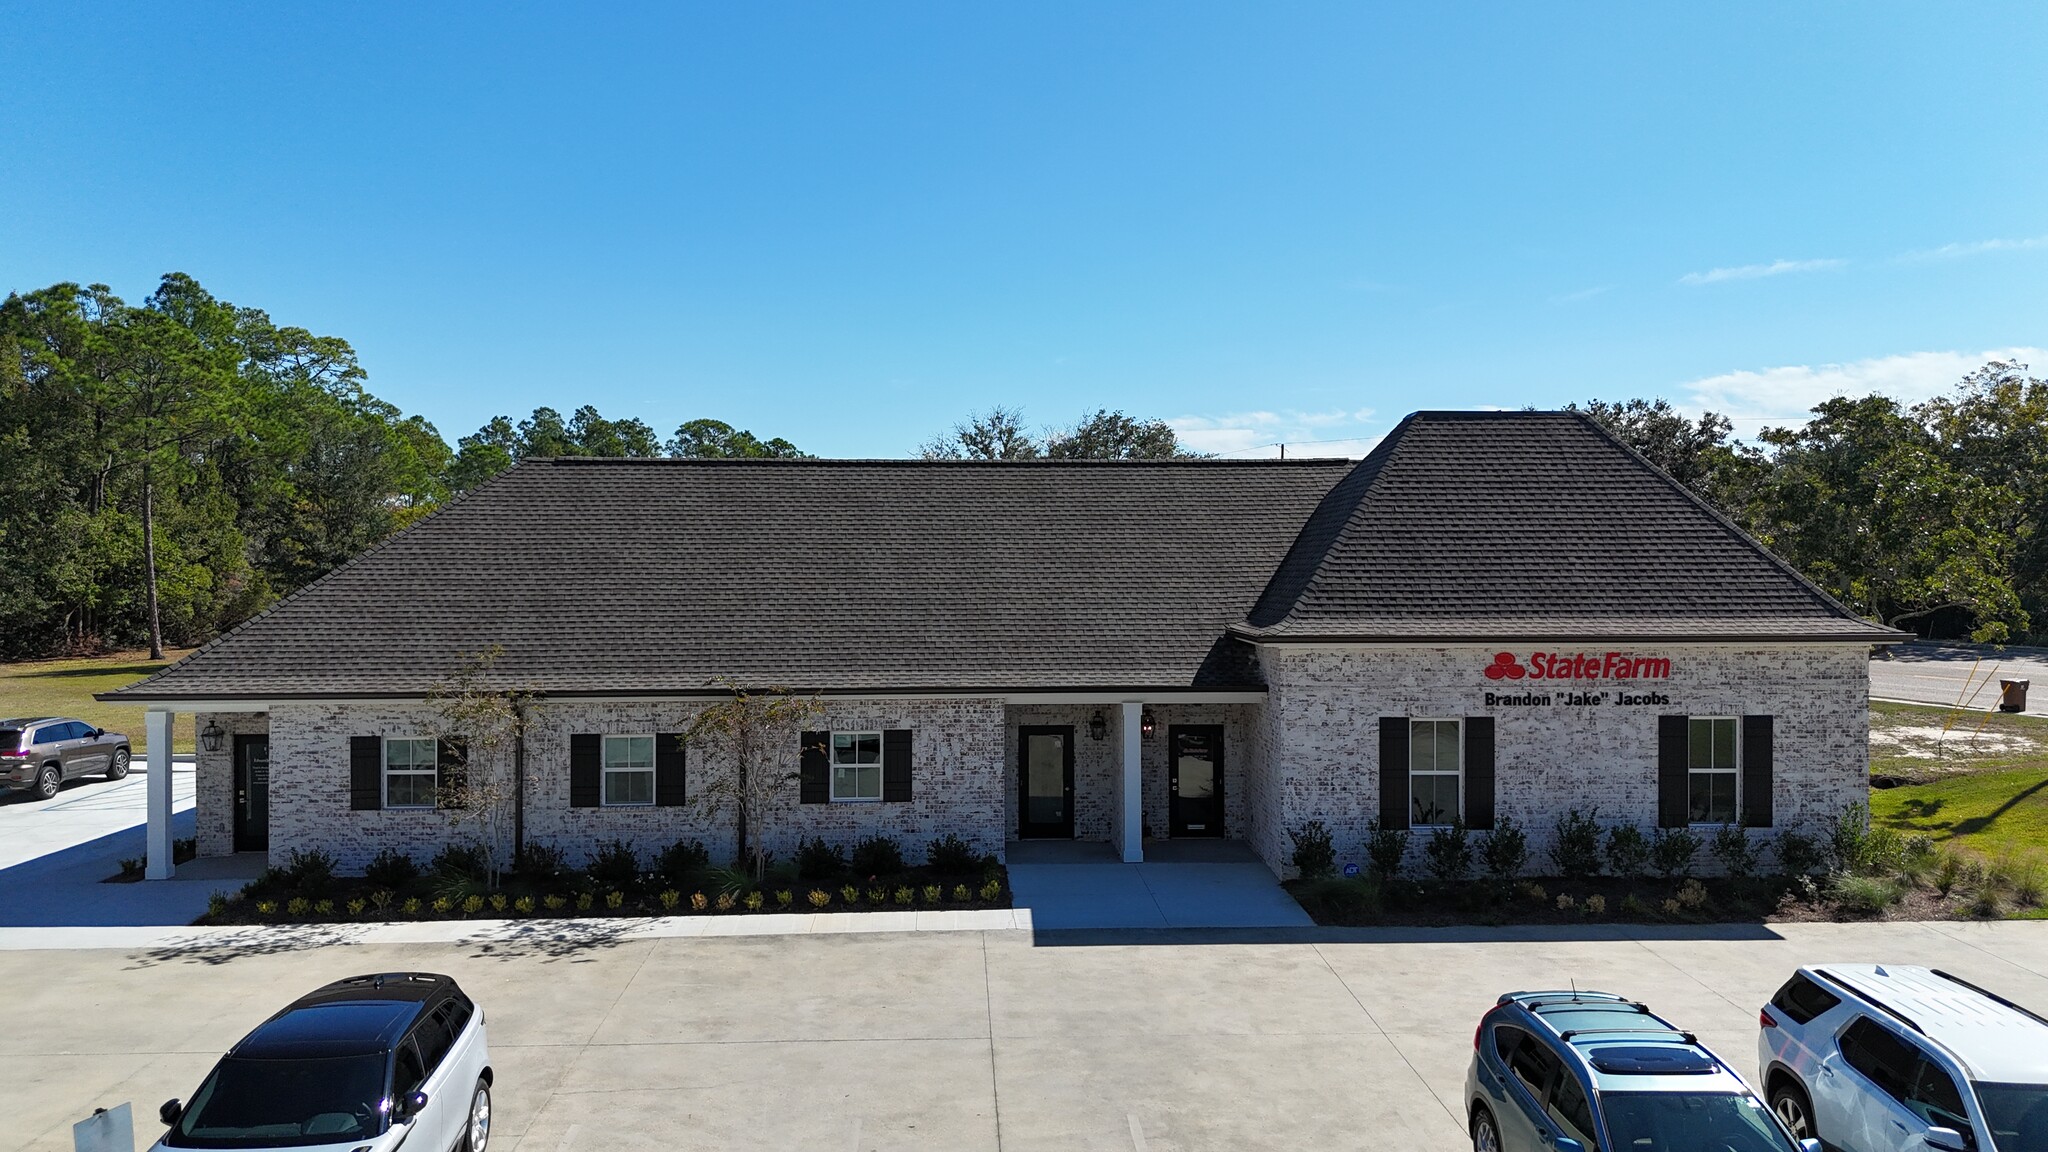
{"points": [[1181, 884]]}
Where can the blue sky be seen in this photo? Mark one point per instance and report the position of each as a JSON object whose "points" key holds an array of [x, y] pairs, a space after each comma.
{"points": [[852, 224]]}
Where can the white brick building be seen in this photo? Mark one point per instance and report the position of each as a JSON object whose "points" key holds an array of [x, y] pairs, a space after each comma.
{"points": [[1494, 613]]}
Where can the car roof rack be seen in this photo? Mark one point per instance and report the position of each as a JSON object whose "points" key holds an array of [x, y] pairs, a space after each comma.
{"points": [[1873, 999], [1991, 996], [1669, 1033]]}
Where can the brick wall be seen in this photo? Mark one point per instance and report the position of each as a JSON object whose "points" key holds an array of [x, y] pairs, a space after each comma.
{"points": [[214, 780], [958, 778], [1321, 733]]}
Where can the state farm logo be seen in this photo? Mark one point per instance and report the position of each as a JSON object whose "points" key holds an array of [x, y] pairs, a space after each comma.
{"points": [[1579, 666], [1505, 667]]}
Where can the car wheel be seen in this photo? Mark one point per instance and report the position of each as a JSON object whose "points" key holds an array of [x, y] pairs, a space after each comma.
{"points": [[476, 1134], [48, 781], [118, 766], [1485, 1135], [1792, 1107]]}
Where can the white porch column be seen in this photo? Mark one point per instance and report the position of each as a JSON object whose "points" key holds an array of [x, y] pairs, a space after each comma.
{"points": [[156, 728], [1133, 831]]}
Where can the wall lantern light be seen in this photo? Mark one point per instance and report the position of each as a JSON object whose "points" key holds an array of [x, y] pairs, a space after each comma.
{"points": [[1097, 726], [1146, 725], [211, 737]]}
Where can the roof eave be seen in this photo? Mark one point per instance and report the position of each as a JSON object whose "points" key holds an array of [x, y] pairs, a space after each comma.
{"points": [[1874, 635]]}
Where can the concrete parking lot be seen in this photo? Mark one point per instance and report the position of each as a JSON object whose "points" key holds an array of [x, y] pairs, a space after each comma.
{"points": [[958, 1041]]}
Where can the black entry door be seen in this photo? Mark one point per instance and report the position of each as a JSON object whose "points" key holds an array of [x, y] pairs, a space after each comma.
{"points": [[1045, 774], [1196, 784], [252, 793]]}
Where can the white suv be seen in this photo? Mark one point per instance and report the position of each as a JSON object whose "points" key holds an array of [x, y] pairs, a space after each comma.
{"points": [[1889, 1058]]}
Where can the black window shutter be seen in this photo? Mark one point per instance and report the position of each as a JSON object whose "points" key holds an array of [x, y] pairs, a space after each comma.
{"points": [[1479, 772], [365, 773], [668, 770], [586, 769], [1674, 779], [1756, 771], [896, 766], [1393, 771], [815, 774], [451, 761]]}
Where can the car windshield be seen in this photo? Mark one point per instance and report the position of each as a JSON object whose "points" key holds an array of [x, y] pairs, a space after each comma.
{"points": [[284, 1103], [2017, 1115], [1690, 1122]]}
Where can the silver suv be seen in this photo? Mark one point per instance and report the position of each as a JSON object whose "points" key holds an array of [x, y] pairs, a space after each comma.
{"points": [[39, 754], [1893, 1058]]}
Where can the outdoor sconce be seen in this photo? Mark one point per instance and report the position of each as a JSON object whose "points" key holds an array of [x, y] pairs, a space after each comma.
{"points": [[1098, 728], [1145, 725], [211, 737]]}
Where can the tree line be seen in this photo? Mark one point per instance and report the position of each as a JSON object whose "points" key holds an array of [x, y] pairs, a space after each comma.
{"points": [[169, 468]]}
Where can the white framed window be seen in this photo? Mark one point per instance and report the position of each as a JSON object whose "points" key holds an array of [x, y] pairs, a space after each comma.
{"points": [[628, 771], [1712, 776], [410, 763], [856, 766], [1436, 772]]}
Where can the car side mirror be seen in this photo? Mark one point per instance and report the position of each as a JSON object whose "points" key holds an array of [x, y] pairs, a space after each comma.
{"points": [[1809, 1145], [170, 1112], [409, 1106], [98, 732], [1566, 1144], [1947, 1139]]}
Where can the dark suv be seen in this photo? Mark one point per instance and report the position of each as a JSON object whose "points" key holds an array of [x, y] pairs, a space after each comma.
{"points": [[1578, 1071], [38, 755], [361, 1065]]}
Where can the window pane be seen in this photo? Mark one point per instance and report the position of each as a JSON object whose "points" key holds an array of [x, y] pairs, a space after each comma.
{"points": [[842, 747], [870, 745], [629, 751], [410, 789], [1421, 746], [1702, 750], [842, 782], [629, 787], [1724, 743], [1447, 745], [1433, 798], [1724, 798], [1713, 798]]}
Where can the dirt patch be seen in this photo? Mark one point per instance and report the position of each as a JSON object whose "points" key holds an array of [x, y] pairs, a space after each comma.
{"points": [[1966, 740]]}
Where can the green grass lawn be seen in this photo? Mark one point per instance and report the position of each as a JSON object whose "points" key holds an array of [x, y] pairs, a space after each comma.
{"points": [[1978, 781], [66, 687]]}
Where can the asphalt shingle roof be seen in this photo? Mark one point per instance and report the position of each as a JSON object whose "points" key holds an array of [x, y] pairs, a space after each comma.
{"points": [[617, 577], [1530, 525]]}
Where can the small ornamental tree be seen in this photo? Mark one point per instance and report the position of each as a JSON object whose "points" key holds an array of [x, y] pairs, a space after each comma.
{"points": [[744, 738], [481, 720]]}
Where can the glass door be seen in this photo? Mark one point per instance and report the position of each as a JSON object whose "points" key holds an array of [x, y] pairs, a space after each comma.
{"points": [[1196, 784], [1045, 770]]}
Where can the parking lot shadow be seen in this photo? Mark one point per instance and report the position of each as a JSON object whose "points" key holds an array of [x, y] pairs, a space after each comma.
{"points": [[1461, 934], [224, 946], [550, 940]]}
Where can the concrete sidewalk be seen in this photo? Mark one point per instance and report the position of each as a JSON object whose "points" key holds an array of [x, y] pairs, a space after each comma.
{"points": [[1203, 884], [56, 854]]}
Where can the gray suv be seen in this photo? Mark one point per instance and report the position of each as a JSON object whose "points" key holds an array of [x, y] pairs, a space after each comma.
{"points": [[39, 754]]}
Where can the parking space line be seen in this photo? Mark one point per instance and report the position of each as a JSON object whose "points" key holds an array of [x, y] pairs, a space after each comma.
{"points": [[1137, 1132]]}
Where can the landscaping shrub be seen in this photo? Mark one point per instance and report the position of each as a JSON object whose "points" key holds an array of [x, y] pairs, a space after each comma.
{"points": [[1798, 854], [950, 855], [1576, 851], [817, 860], [849, 893], [1385, 848], [1504, 851], [1672, 851], [877, 856], [1447, 854], [932, 893], [391, 869], [681, 860], [460, 862], [307, 870], [1731, 846], [614, 865], [755, 900], [1849, 839], [1628, 851], [1339, 898], [819, 898], [1315, 852], [537, 860], [1950, 869], [1865, 895]]}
